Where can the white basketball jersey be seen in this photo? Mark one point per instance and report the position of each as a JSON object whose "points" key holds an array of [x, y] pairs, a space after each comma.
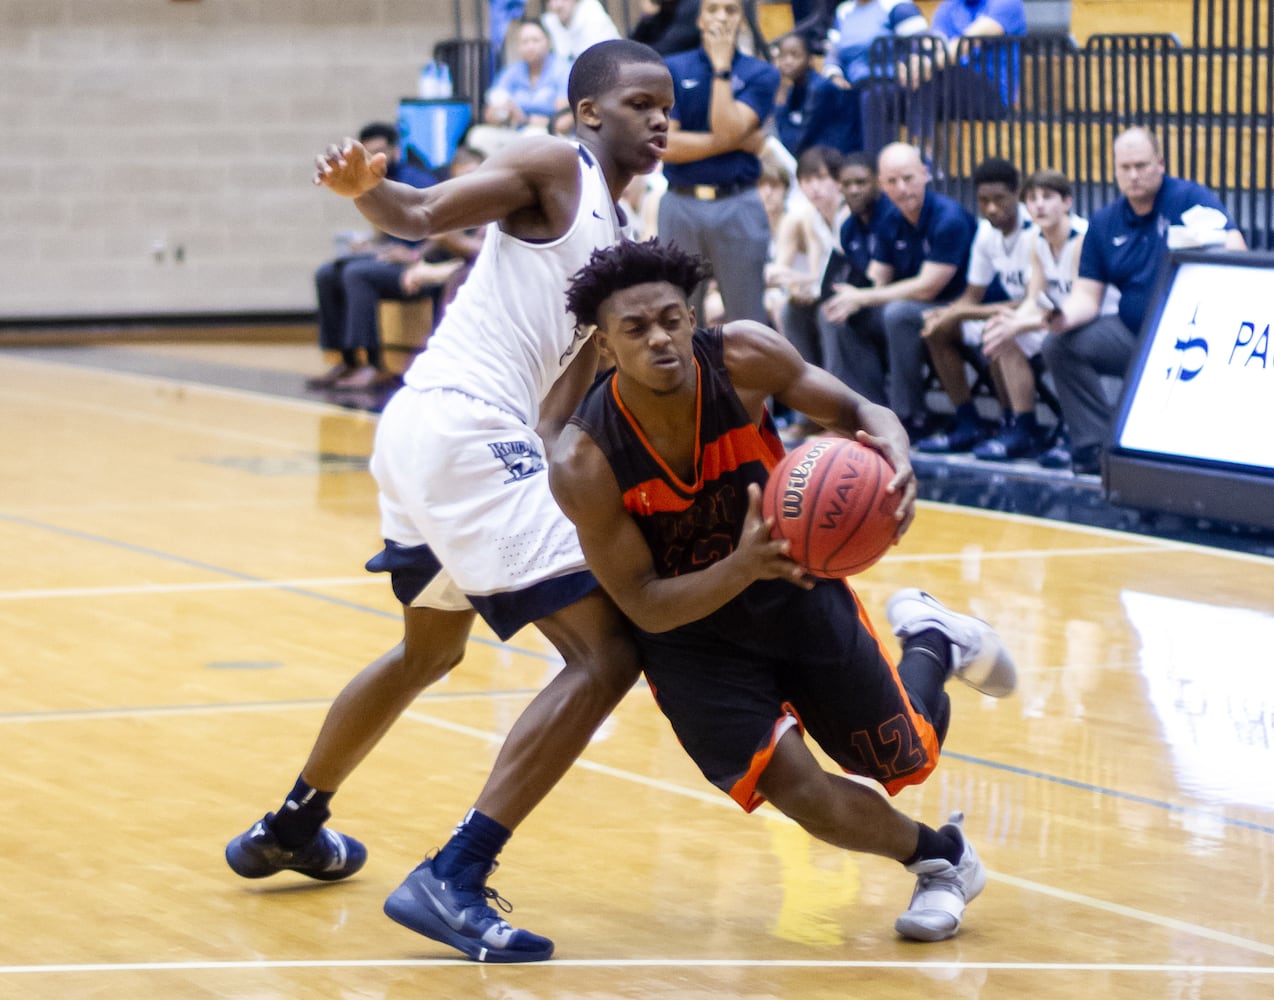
{"points": [[1008, 258], [1060, 270], [507, 336]]}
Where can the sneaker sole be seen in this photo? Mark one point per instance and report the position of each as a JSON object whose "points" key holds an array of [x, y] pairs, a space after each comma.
{"points": [[403, 907]]}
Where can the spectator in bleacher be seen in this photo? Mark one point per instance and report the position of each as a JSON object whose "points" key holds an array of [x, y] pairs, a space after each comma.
{"points": [[855, 26], [856, 356], [672, 26], [982, 91], [919, 263], [1126, 244], [804, 243], [858, 23], [349, 288], [529, 91], [1010, 342], [811, 110], [711, 207], [574, 25], [999, 265]]}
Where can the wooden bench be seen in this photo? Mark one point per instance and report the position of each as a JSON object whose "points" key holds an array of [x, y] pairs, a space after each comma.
{"points": [[404, 329]]}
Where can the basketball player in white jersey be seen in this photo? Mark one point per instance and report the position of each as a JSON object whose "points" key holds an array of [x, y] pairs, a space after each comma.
{"points": [[1011, 339], [466, 511]]}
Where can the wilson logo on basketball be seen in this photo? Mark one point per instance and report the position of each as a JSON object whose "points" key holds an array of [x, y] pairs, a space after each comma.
{"points": [[798, 478]]}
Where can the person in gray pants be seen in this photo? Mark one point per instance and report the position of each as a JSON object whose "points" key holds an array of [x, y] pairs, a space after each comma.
{"points": [[712, 207]]}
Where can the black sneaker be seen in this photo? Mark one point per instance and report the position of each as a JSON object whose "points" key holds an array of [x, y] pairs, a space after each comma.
{"points": [[1086, 461], [328, 857]]}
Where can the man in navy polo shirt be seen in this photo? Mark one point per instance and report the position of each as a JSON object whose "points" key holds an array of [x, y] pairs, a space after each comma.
{"points": [[857, 359], [919, 263], [1127, 242], [712, 207]]}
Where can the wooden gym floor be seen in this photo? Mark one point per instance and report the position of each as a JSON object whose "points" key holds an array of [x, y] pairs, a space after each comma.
{"points": [[181, 594]]}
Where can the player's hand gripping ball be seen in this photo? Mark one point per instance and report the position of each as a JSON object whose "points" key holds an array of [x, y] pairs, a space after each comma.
{"points": [[827, 497]]}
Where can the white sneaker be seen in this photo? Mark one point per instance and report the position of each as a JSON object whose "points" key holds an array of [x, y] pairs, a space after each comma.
{"points": [[942, 891], [978, 657]]}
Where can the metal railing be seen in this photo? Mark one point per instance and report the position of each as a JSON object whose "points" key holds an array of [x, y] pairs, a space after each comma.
{"points": [[1062, 106]]}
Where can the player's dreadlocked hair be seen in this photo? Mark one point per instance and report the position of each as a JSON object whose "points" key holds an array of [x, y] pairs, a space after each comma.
{"points": [[614, 268]]}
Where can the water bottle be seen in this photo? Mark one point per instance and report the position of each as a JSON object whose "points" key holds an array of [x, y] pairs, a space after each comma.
{"points": [[428, 86], [444, 82]]}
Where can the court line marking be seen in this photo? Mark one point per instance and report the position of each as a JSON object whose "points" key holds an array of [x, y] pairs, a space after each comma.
{"points": [[185, 588], [1142, 916], [289, 402], [256, 395], [1091, 529], [160, 420], [640, 963]]}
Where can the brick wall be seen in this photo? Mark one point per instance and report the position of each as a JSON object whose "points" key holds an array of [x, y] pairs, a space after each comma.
{"points": [[133, 127]]}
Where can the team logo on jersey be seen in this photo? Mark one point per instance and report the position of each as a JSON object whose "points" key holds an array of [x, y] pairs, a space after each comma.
{"points": [[519, 458]]}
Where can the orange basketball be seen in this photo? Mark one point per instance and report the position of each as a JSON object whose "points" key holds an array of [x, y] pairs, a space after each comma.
{"points": [[827, 497]]}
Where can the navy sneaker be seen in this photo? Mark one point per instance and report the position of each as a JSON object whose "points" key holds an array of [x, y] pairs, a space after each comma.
{"points": [[962, 437], [330, 856], [1013, 441], [455, 912]]}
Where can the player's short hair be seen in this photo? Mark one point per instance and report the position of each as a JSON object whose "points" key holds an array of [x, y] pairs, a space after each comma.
{"points": [[819, 158], [597, 68], [997, 171], [379, 130], [859, 158], [626, 264], [774, 171], [1048, 180]]}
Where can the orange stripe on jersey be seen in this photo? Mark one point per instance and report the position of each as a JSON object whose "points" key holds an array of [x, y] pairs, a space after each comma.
{"points": [[928, 735], [655, 495], [744, 790], [734, 448]]}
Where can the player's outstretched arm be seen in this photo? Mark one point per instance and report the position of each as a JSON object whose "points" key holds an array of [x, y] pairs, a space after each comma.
{"points": [[617, 553], [530, 187]]}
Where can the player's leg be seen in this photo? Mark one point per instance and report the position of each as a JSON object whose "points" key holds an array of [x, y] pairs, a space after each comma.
{"points": [[1077, 362], [850, 815], [738, 244], [1015, 383], [330, 296], [294, 838], [445, 897], [902, 321], [965, 429], [854, 351], [366, 282]]}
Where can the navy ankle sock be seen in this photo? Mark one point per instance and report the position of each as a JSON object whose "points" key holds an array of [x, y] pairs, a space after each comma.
{"points": [[477, 840], [302, 815], [935, 844], [923, 670]]}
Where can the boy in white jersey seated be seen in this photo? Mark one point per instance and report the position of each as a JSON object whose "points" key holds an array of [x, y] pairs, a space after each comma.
{"points": [[999, 261], [1011, 339]]}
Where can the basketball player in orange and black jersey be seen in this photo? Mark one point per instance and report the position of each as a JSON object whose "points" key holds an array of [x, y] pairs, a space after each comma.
{"points": [[661, 471]]}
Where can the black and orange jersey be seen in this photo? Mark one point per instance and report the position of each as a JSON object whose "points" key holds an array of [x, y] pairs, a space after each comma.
{"points": [[687, 525]]}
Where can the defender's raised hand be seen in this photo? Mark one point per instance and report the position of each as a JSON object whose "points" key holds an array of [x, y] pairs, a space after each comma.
{"points": [[348, 170]]}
